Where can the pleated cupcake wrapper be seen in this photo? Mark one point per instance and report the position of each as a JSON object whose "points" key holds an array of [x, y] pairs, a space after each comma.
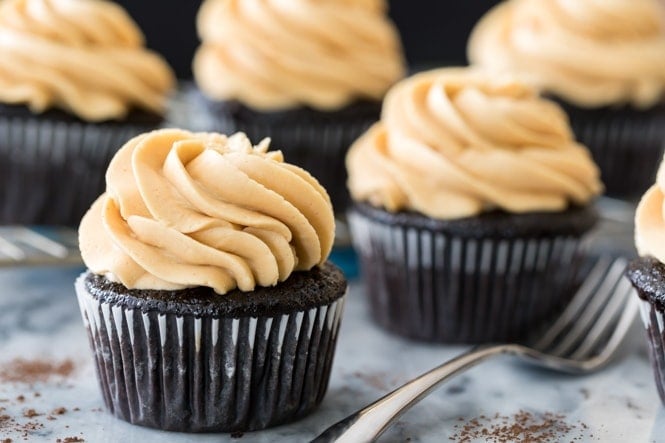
{"points": [[184, 373], [654, 323], [627, 145], [438, 287], [318, 148], [50, 172]]}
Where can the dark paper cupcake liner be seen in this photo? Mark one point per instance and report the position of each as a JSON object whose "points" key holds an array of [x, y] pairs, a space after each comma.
{"points": [[318, 145], [654, 323], [626, 143], [445, 287], [647, 275], [51, 171], [208, 374]]}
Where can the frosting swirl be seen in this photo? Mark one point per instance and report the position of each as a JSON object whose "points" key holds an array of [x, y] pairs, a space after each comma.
{"points": [[83, 56], [591, 53], [454, 142], [186, 209], [276, 54], [650, 220]]}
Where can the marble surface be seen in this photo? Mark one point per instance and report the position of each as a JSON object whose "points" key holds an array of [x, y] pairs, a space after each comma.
{"points": [[40, 319]]}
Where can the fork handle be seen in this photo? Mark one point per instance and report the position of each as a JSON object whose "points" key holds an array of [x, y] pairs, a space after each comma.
{"points": [[369, 423]]}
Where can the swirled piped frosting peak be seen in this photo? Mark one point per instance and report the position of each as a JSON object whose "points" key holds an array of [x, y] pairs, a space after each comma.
{"points": [[650, 220], [456, 142], [186, 209], [591, 53], [274, 54], [86, 57]]}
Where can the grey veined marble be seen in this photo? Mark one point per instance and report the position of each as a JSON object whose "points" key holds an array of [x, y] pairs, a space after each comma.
{"points": [[40, 319]]}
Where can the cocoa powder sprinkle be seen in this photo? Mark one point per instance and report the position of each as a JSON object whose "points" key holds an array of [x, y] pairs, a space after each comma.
{"points": [[522, 426], [21, 370]]}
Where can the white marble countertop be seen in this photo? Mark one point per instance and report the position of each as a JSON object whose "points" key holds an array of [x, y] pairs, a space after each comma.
{"points": [[40, 319]]}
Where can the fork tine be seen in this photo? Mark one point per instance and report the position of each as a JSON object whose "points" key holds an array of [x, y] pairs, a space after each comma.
{"points": [[571, 313], [606, 321], [42, 243], [585, 319], [619, 333]]}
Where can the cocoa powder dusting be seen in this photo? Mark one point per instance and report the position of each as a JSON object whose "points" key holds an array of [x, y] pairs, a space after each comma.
{"points": [[21, 370], [522, 426]]}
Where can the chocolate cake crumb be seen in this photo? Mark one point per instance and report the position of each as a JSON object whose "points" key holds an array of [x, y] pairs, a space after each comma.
{"points": [[30, 413], [20, 398], [237, 434], [70, 440], [21, 370], [59, 411], [7, 440], [522, 426]]}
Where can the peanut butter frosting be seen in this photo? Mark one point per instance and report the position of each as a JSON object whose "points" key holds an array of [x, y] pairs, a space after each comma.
{"points": [[275, 54], [86, 57], [186, 209], [591, 53], [455, 142], [650, 220]]}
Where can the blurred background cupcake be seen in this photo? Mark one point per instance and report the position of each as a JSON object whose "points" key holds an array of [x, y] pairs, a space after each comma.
{"points": [[76, 82], [308, 74], [471, 198], [604, 62]]}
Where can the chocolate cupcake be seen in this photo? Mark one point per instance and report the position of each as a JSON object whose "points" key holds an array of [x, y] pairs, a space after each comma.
{"points": [[310, 74], [208, 300], [603, 62], [471, 199], [647, 274], [75, 84]]}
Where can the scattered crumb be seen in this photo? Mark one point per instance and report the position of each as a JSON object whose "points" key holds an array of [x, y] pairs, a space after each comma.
{"points": [[70, 440], [20, 398], [237, 434], [59, 411], [30, 413]]}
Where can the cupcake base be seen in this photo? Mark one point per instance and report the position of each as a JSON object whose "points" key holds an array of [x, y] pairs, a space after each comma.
{"points": [[317, 141], [626, 143], [648, 276], [193, 361], [491, 278]]}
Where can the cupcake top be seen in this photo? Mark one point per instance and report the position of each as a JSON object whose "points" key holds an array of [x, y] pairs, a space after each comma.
{"points": [[455, 142], [86, 57], [272, 54], [186, 209], [650, 220], [591, 53]]}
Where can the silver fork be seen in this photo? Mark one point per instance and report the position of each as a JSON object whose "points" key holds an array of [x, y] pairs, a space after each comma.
{"points": [[44, 246], [582, 339]]}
